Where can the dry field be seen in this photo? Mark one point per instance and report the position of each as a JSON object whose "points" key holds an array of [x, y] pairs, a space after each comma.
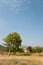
{"points": [[29, 58], [20, 60]]}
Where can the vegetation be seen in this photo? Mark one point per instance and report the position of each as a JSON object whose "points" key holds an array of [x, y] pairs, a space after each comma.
{"points": [[30, 49], [21, 52], [2, 49], [19, 62], [12, 42], [36, 49], [13, 46]]}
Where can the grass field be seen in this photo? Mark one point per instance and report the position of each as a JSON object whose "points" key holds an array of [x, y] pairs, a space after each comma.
{"points": [[21, 60], [18, 62]]}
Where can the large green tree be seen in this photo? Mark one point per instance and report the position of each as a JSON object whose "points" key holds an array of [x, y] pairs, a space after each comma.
{"points": [[12, 42]]}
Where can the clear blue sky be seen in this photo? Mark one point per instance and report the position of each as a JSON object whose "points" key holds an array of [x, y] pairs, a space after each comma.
{"points": [[24, 17]]}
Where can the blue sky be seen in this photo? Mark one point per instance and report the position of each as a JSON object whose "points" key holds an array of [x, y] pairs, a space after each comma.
{"points": [[24, 17]]}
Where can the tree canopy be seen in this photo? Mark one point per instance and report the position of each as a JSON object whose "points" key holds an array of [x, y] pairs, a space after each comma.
{"points": [[12, 41]]}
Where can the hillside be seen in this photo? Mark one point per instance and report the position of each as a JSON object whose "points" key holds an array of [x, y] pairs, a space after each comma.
{"points": [[2, 48]]}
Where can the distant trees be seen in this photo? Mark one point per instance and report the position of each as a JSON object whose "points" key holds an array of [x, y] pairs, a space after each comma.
{"points": [[12, 42], [36, 49]]}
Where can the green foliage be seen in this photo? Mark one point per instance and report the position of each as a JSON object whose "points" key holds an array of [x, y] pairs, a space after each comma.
{"points": [[38, 49], [12, 42], [20, 50], [30, 49]]}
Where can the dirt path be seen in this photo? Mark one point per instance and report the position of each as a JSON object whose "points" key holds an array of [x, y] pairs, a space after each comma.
{"points": [[30, 58]]}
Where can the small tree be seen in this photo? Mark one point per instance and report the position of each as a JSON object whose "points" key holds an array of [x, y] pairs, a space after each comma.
{"points": [[12, 42], [30, 49]]}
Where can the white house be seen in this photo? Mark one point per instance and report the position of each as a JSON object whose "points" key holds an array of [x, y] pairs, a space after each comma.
{"points": [[25, 50]]}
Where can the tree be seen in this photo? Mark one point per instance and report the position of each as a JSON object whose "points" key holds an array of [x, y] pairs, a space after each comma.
{"points": [[37, 49], [30, 49], [12, 42]]}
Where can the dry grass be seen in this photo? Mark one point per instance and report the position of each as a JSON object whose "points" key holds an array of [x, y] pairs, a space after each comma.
{"points": [[6, 59], [19, 62]]}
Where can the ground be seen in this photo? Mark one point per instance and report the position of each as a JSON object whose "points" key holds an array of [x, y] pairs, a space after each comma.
{"points": [[29, 58]]}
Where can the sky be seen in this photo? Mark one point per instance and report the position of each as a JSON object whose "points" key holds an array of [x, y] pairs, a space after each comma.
{"points": [[24, 17]]}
